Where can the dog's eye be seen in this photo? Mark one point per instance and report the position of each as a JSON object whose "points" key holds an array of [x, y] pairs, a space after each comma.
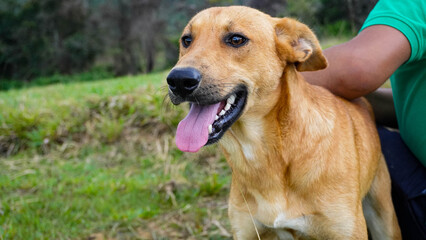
{"points": [[186, 41], [236, 40]]}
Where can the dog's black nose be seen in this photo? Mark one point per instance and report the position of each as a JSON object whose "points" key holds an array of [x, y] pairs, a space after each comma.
{"points": [[183, 81]]}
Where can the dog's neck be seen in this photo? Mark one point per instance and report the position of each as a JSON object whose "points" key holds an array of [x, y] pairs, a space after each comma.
{"points": [[270, 144]]}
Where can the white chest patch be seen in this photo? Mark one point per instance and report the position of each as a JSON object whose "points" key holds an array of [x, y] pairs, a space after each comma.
{"points": [[298, 224], [248, 152]]}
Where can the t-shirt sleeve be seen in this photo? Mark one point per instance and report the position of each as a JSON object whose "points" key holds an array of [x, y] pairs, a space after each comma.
{"points": [[407, 16]]}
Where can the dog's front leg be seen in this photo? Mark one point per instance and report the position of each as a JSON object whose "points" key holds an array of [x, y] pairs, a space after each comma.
{"points": [[245, 227]]}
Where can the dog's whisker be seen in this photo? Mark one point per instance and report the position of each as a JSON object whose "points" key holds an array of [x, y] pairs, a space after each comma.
{"points": [[196, 100], [166, 100]]}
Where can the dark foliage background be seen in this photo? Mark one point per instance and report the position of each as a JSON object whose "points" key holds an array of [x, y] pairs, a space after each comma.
{"points": [[47, 37]]}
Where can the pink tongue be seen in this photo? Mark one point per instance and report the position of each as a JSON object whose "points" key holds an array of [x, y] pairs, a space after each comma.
{"points": [[193, 131]]}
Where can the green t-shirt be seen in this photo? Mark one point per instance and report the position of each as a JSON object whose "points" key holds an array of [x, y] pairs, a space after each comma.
{"points": [[409, 80]]}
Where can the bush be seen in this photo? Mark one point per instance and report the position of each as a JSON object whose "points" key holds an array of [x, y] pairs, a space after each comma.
{"points": [[337, 29], [94, 74]]}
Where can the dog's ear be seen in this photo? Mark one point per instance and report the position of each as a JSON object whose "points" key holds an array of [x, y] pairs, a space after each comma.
{"points": [[297, 44]]}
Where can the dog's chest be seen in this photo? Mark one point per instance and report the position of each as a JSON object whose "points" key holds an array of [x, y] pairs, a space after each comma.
{"points": [[274, 214]]}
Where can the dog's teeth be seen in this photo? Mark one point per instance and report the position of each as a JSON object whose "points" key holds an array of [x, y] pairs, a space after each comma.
{"points": [[216, 117], [227, 107], [231, 99], [222, 112], [210, 128]]}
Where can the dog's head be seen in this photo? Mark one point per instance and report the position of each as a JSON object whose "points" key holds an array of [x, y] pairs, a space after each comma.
{"points": [[230, 66]]}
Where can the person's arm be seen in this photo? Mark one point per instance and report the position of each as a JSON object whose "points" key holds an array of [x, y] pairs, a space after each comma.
{"points": [[363, 64]]}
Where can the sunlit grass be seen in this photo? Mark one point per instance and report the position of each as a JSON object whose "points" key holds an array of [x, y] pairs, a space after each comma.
{"points": [[98, 159], [56, 94]]}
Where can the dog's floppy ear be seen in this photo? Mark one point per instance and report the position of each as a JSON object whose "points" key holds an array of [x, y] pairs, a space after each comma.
{"points": [[297, 44]]}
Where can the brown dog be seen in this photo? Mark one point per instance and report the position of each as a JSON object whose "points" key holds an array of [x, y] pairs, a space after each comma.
{"points": [[306, 164]]}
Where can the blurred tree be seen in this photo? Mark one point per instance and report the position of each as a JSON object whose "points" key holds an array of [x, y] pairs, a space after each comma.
{"points": [[44, 37], [272, 7], [304, 10], [353, 11], [132, 30], [40, 37], [358, 11]]}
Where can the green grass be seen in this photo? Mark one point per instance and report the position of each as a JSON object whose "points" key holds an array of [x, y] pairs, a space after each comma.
{"points": [[97, 159], [91, 75], [38, 116], [108, 191]]}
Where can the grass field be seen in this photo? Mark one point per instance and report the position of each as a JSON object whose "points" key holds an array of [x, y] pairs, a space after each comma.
{"points": [[97, 160]]}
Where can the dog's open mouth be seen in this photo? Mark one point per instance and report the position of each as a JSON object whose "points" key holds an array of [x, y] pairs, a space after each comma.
{"points": [[206, 124]]}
